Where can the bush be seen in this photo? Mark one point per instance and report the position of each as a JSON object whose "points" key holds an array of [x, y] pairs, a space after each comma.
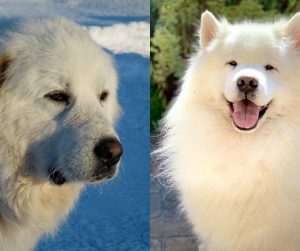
{"points": [[158, 104]]}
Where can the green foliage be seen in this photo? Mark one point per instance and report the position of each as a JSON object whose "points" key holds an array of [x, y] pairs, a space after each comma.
{"points": [[170, 41], [293, 5], [171, 38], [167, 58], [247, 9], [153, 15], [158, 104], [173, 25]]}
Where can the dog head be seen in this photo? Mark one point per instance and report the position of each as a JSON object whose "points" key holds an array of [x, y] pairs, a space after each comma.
{"points": [[248, 73], [59, 103]]}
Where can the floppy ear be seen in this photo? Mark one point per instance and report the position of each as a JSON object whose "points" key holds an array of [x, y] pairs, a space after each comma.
{"points": [[4, 64], [293, 29], [208, 28]]}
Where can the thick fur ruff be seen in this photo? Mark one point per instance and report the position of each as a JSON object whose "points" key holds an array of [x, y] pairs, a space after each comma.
{"points": [[239, 188], [38, 133]]}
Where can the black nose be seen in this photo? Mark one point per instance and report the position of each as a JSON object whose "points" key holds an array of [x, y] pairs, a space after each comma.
{"points": [[109, 151], [247, 84]]}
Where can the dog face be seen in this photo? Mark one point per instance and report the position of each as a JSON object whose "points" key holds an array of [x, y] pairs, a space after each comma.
{"points": [[59, 98], [247, 72], [251, 81]]}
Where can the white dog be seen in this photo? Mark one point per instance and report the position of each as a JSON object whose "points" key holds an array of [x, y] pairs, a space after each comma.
{"points": [[58, 105], [232, 144]]}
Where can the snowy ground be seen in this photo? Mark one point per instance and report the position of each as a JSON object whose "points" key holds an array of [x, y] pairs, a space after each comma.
{"points": [[116, 216], [113, 216]]}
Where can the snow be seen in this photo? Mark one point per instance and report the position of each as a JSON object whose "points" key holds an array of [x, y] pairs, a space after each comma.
{"points": [[123, 38], [115, 215]]}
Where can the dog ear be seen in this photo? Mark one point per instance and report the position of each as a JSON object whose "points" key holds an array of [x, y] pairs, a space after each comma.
{"points": [[208, 28], [5, 60], [293, 29]]}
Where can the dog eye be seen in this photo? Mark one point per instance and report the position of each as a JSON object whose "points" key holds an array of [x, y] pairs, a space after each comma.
{"points": [[269, 67], [58, 96], [104, 96], [233, 63]]}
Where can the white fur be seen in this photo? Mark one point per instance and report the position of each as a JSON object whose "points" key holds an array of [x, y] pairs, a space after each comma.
{"points": [[36, 133], [240, 191], [265, 89]]}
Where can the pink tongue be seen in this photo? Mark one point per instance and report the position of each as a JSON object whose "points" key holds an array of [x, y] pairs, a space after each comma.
{"points": [[245, 114]]}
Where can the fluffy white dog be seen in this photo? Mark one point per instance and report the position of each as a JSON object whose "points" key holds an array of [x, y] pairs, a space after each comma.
{"points": [[58, 106], [232, 144]]}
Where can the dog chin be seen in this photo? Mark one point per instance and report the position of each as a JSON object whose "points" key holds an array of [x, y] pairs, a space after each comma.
{"points": [[246, 131]]}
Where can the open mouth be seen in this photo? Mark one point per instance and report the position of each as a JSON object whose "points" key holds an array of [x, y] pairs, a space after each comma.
{"points": [[246, 113]]}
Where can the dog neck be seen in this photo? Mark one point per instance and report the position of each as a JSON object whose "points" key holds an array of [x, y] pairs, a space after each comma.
{"points": [[29, 209]]}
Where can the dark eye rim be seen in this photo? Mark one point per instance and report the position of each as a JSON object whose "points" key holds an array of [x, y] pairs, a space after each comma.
{"points": [[103, 96], [269, 67], [58, 97], [232, 63]]}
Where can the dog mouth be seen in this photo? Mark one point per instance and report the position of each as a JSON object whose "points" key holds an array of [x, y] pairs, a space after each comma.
{"points": [[101, 174], [56, 177], [246, 114]]}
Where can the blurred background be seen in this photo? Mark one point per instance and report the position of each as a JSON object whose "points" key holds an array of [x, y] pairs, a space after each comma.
{"points": [[173, 29]]}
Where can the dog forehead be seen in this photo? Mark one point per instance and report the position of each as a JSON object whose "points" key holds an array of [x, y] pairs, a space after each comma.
{"points": [[251, 37], [256, 43], [62, 52]]}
